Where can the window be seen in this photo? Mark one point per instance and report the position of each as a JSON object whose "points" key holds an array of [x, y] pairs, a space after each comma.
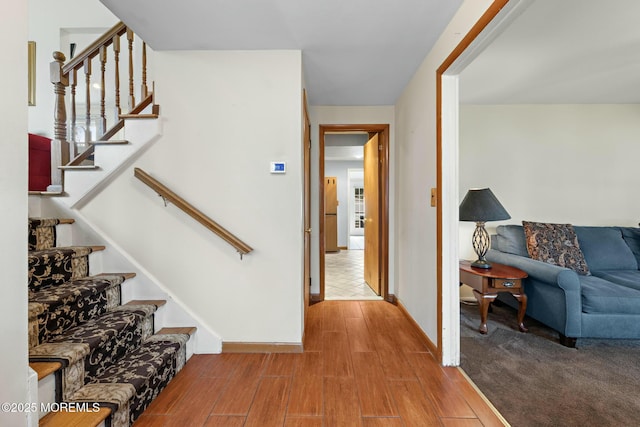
{"points": [[358, 211]]}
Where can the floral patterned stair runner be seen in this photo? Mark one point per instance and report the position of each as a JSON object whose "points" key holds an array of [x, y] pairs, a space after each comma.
{"points": [[108, 351], [42, 233], [131, 384], [55, 309], [87, 350], [55, 266]]}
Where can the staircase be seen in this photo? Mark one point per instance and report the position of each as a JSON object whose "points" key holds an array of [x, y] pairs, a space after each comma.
{"points": [[95, 357]]}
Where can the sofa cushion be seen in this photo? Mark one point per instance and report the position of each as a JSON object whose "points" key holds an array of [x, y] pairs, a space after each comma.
{"points": [[627, 278], [511, 239], [555, 244], [631, 236], [605, 249], [601, 296]]}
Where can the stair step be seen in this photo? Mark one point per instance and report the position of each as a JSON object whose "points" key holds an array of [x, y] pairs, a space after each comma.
{"points": [[134, 381], [54, 309], [54, 266], [110, 142], [76, 419], [125, 276], [187, 330], [44, 369], [88, 350], [43, 232], [46, 193], [139, 116], [78, 167], [157, 302]]}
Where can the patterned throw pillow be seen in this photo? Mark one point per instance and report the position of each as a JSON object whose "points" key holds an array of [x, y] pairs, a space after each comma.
{"points": [[555, 244]]}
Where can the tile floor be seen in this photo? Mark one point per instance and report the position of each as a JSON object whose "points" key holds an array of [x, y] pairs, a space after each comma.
{"points": [[344, 277]]}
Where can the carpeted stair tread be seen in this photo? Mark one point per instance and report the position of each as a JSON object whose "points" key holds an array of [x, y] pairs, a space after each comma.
{"points": [[75, 419], [57, 308], [87, 350], [135, 380], [42, 232], [98, 350], [54, 266]]}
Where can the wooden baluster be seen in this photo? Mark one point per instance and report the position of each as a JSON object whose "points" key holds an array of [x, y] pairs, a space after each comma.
{"points": [[87, 74], [116, 54], [73, 82], [59, 145], [144, 90], [103, 117], [132, 99]]}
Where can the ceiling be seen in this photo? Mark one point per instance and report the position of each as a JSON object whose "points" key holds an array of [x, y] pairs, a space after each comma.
{"points": [[356, 52], [561, 52]]}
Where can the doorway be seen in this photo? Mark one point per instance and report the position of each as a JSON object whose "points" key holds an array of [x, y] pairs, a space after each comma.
{"points": [[369, 227]]}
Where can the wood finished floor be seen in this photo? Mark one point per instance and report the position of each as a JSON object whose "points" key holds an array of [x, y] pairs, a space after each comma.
{"points": [[364, 365]]}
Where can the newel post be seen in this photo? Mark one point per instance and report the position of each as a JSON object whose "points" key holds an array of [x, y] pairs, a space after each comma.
{"points": [[59, 145]]}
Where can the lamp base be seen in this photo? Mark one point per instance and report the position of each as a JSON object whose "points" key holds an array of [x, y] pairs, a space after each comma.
{"points": [[481, 263]]}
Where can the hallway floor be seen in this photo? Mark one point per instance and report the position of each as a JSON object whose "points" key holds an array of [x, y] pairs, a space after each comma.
{"points": [[364, 364], [344, 276]]}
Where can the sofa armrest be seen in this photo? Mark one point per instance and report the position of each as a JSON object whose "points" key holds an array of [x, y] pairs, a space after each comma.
{"points": [[541, 273]]}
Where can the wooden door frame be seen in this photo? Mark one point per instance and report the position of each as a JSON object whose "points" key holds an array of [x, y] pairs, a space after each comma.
{"points": [[496, 17], [306, 197], [383, 255]]}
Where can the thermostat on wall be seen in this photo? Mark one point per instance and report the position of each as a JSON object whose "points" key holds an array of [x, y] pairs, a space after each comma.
{"points": [[278, 167]]}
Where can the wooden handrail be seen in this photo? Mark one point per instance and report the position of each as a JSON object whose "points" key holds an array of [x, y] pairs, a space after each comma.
{"points": [[78, 73], [170, 196], [94, 48]]}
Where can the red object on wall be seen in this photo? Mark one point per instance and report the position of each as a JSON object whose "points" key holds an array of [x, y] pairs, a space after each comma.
{"points": [[39, 162]]}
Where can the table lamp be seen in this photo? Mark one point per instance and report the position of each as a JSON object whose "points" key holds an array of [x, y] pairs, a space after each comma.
{"points": [[481, 205]]}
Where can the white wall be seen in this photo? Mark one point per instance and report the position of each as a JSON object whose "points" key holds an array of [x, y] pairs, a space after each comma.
{"points": [[46, 19], [13, 211], [553, 163], [225, 116], [330, 115], [416, 174], [339, 170]]}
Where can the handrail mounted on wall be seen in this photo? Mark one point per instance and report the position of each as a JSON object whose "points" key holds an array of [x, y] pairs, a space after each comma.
{"points": [[169, 196]]}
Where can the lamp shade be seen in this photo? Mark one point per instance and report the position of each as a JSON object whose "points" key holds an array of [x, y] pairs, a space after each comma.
{"points": [[481, 205]]}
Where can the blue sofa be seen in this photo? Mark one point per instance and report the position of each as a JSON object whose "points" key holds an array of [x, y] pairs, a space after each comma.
{"points": [[604, 304]]}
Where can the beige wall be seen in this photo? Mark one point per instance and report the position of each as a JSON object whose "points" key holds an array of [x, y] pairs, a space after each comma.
{"points": [[13, 211], [224, 116], [416, 173], [329, 115], [553, 163]]}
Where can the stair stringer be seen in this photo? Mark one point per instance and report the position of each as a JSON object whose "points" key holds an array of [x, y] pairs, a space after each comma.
{"points": [[82, 185], [115, 259], [144, 286]]}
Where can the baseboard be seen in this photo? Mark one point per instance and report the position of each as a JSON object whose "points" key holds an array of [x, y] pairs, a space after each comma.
{"points": [[483, 397], [432, 347], [392, 299], [259, 347], [315, 298], [344, 248]]}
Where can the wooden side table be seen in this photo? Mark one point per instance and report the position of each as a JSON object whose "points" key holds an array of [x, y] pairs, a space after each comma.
{"points": [[486, 284]]}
